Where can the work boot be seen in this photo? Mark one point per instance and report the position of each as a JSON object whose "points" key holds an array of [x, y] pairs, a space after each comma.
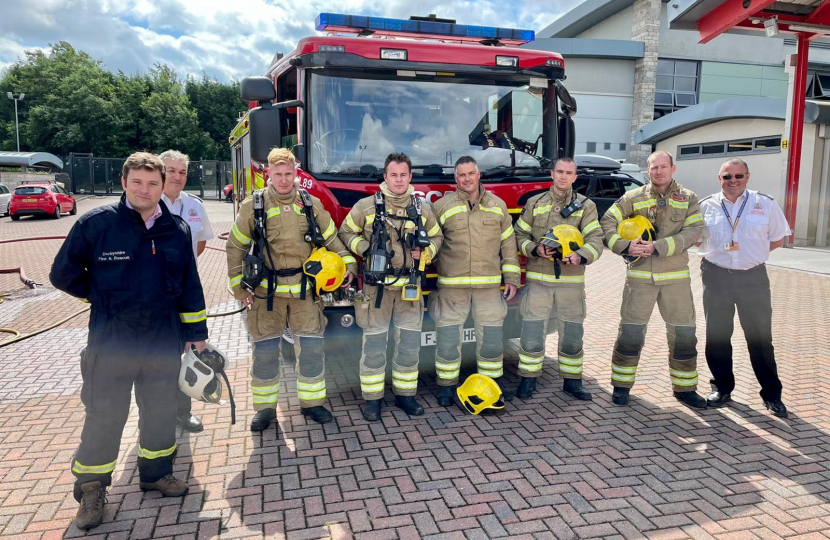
{"points": [[505, 393], [526, 388], [445, 395], [190, 423], [262, 419], [574, 388], [620, 395], [371, 409], [319, 414], [91, 512], [691, 399], [718, 399], [409, 405], [776, 407], [168, 485]]}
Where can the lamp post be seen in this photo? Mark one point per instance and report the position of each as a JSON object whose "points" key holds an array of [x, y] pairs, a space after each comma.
{"points": [[16, 125]]}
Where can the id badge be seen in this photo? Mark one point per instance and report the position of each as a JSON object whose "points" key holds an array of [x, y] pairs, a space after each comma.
{"points": [[730, 246]]}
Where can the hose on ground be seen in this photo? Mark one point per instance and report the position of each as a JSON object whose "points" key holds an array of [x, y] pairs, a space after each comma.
{"points": [[17, 336]]}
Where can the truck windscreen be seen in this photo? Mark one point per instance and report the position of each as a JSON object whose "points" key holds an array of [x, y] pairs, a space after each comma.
{"points": [[355, 123]]}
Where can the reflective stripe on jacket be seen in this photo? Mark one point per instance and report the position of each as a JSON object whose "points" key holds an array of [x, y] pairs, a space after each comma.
{"points": [[474, 235], [678, 222], [541, 213], [285, 227], [356, 230]]}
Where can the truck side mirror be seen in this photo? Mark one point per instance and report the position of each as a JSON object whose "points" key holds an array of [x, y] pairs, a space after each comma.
{"points": [[567, 135], [565, 99], [265, 125], [257, 89]]}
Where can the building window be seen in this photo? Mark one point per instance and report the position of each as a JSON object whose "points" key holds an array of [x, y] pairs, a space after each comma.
{"points": [[759, 145], [818, 86], [676, 86], [591, 147], [607, 146], [623, 147]]}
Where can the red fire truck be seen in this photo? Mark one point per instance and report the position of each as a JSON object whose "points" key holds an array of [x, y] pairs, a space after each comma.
{"points": [[428, 87]]}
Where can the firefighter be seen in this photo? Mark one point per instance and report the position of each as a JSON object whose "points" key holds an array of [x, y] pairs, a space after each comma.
{"points": [[383, 303], [192, 210], [476, 227], [658, 271], [285, 249], [555, 292], [133, 263]]}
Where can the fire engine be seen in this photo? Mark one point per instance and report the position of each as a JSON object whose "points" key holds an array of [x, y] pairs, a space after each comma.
{"points": [[426, 86]]}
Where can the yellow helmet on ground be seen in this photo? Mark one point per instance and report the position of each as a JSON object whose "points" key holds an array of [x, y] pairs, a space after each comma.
{"points": [[636, 227], [480, 392], [327, 269], [566, 238]]}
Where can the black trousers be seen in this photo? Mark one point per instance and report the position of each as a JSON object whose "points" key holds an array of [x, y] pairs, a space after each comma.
{"points": [[121, 356], [748, 290], [183, 404]]}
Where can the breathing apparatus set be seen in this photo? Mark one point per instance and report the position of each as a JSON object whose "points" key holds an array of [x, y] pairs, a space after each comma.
{"points": [[254, 269], [377, 260]]}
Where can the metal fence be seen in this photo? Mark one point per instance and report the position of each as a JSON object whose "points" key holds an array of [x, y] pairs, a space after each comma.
{"points": [[102, 176]]}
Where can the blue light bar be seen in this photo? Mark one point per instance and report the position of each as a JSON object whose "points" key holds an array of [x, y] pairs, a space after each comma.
{"points": [[360, 24]]}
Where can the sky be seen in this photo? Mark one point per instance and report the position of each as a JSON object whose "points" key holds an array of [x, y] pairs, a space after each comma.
{"points": [[226, 39]]}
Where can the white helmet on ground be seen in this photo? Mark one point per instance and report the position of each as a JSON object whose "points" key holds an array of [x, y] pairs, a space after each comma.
{"points": [[199, 374]]}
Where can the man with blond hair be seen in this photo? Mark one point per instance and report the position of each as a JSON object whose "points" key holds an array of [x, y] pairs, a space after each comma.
{"points": [[283, 297], [192, 210], [132, 261]]}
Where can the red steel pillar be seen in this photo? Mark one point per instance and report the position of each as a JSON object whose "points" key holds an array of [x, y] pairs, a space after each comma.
{"points": [[796, 130]]}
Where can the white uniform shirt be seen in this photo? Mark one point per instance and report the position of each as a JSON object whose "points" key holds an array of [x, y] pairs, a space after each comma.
{"points": [[762, 222], [192, 210]]}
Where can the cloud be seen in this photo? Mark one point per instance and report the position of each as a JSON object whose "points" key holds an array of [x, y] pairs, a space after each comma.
{"points": [[226, 40]]}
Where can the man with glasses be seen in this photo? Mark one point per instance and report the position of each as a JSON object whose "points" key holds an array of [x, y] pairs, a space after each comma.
{"points": [[742, 227]]}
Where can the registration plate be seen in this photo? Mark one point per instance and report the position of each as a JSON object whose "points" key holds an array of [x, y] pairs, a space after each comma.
{"points": [[428, 338], [29, 200]]}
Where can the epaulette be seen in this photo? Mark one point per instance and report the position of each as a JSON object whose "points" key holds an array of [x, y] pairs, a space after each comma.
{"points": [[705, 198], [197, 198], [765, 195]]}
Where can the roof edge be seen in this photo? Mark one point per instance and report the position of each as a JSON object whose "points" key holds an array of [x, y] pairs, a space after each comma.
{"points": [[591, 48], [708, 113], [582, 17]]}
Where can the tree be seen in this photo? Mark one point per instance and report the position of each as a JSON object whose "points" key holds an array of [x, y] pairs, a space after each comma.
{"points": [[218, 107], [74, 105]]}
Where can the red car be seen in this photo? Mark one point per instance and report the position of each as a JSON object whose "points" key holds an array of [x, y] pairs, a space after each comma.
{"points": [[41, 199], [228, 192]]}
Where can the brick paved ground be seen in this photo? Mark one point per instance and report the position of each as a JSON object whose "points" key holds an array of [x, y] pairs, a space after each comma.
{"points": [[549, 467]]}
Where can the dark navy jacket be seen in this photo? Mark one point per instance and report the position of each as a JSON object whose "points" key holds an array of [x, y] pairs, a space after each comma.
{"points": [[144, 278]]}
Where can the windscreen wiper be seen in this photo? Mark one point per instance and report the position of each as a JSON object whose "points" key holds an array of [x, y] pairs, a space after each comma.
{"points": [[505, 170], [428, 170], [433, 169]]}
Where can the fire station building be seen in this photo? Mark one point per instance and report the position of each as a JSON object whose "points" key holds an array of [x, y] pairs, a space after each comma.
{"points": [[641, 86]]}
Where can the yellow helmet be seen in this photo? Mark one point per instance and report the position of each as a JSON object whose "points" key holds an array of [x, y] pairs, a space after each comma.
{"points": [[327, 269], [566, 238], [636, 227], [633, 228], [480, 392]]}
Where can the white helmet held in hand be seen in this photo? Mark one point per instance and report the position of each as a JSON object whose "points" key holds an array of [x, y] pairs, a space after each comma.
{"points": [[199, 375]]}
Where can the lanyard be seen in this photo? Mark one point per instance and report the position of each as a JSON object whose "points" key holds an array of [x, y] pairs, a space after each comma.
{"points": [[737, 217]]}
